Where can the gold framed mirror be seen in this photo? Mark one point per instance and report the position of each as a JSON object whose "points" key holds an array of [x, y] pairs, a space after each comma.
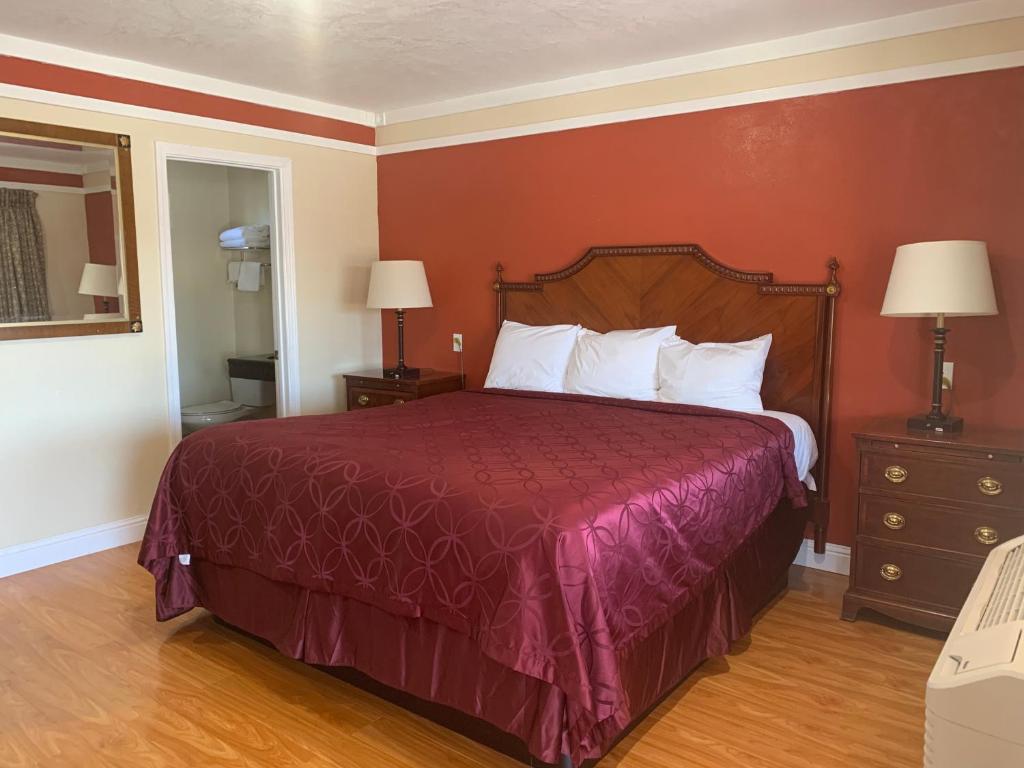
{"points": [[68, 259]]}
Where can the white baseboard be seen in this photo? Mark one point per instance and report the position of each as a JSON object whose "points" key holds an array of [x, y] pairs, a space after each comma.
{"points": [[836, 558], [67, 546]]}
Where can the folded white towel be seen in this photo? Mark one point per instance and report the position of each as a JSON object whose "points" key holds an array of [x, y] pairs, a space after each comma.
{"points": [[233, 267], [254, 232], [249, 276], [241, 242]]}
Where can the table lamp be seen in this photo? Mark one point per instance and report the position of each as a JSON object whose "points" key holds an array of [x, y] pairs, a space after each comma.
{"points": [[99, 280], [945, 278], [399, 285]]}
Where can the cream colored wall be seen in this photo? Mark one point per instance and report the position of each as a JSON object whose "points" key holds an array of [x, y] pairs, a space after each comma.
{"points": [[67, 250], [203, 300], [249, 203], [83, 421], [97, 179]]}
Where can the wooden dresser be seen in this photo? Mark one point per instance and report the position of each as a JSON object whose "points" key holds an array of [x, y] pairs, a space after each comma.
{"points": [[369, 389], [930, 508]]}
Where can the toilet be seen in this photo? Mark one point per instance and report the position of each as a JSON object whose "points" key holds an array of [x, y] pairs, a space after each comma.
{"points": [[252, 396]]}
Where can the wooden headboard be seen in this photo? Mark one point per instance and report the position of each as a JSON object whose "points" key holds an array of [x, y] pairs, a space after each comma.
{"points": [[627, 287]]}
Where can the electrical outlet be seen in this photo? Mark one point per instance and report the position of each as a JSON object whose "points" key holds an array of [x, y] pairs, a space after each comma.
{"points": [[456, 342], [947, 375]]}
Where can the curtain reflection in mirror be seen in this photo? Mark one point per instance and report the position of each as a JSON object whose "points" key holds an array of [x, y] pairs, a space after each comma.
{"points": [[23, 292]]}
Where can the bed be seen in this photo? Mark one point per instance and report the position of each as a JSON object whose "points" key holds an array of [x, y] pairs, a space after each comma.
{"points": [[534, 569]]}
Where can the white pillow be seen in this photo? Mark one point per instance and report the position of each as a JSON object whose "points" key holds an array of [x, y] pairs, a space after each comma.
{"points": [[531, 356], [618, 363], [716, 375]]}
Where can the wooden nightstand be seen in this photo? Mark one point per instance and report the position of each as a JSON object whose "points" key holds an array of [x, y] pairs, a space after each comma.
{"points": [[369, 389], [931, 506]]}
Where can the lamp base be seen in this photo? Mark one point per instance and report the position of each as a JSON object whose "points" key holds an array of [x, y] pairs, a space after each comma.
{"points": [[928, 423], [401, 373]]}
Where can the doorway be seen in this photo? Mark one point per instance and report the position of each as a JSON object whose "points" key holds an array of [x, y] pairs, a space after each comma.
{"points": [[227, 263]]}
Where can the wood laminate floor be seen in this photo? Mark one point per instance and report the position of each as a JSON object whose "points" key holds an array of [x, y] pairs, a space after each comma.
{"points": [[89, 678]]}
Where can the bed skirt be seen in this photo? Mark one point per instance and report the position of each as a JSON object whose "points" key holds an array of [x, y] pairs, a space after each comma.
{"points": [[442, 674]]}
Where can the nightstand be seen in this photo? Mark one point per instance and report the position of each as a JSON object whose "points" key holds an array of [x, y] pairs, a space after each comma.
{"points": [[930, 508], [369, 389]]}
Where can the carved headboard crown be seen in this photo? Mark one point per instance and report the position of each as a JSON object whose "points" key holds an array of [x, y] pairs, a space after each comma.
{"points": [[625, 287]]}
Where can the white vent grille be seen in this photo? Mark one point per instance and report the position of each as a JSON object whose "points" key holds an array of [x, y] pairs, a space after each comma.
{"points": [[1006, 603]]}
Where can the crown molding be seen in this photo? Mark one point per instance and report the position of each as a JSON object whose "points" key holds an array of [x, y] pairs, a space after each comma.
{"points": [[814, 88], [56, 98], [887, 77], [52, 188], [920, 22], [135, 70]]}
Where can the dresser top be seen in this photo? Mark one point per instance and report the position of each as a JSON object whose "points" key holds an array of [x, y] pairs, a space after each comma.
{"points": [[426, 375], [982, 437]]}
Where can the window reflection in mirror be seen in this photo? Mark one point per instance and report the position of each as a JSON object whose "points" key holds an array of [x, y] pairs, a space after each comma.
{"points": [[61, 257]]}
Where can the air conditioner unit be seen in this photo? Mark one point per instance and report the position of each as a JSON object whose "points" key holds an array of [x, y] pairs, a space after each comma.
{"points": [[975, 700]]}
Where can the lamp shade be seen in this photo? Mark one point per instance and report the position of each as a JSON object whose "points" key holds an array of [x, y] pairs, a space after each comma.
{"points": [[945, 277], [98, 280], [398, 285]]}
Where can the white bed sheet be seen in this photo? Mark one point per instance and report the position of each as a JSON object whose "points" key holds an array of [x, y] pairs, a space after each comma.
{"points": [[805, 449]]}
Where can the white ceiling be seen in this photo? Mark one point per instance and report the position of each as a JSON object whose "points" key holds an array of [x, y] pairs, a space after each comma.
{"points": [[379, 55]]}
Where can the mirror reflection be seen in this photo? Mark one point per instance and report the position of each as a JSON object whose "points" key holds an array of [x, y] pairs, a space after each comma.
{"points": [[60, 235]]}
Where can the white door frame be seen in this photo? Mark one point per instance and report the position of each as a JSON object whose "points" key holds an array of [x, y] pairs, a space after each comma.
{"points": [[282, 282]]}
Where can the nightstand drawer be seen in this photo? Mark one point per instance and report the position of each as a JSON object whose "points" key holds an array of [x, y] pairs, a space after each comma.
{"points": [[931, 507], [972, 531], [372, 398], [997, 483], [372, 389], [905, 574]]}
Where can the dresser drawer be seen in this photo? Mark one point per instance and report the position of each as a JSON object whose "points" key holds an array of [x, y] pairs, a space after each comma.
{"points": [[905, 574], [996, 483], [359, 398], [972, 531]]}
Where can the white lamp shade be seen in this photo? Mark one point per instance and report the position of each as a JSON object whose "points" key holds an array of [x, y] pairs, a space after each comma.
{"points": [[945, 277], [398, 285], [98, 280]]}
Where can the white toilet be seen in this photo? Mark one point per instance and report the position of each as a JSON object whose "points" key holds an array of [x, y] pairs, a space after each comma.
{"points": [[248, 396]]}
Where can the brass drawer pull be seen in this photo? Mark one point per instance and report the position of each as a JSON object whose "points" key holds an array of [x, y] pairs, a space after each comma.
{"points": [[894, 521], [891, 572], [896, 474], [363, 399], [985, 535], [990, 486]]}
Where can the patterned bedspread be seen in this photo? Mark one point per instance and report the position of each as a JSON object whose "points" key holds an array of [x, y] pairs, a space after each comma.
{"points": [[555, 530]]}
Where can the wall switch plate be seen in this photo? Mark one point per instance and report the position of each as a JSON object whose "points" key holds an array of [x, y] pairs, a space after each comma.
{"points": [[456, 342], [947, 375]]}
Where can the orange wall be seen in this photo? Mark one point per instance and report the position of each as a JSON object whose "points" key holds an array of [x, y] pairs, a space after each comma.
{"points": [[99, 222], [781, 186]]}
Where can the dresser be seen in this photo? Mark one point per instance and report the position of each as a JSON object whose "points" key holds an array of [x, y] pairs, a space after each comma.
{"points": [[370, 389], [930, 508]]}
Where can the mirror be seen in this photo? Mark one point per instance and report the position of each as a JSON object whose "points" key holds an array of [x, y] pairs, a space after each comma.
{"points": [[67, 232]]}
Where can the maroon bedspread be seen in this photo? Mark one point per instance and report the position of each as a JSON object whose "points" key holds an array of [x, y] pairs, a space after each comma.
{"points": [[556, 531]]}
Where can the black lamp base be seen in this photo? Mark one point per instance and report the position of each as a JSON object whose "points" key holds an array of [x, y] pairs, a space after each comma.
{"points": [[929, 423], [401, 373]]}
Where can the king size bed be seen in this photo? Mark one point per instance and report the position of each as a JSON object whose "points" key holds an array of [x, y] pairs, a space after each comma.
{"points": [[536, 569]]}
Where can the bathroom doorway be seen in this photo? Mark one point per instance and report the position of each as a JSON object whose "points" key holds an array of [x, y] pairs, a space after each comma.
{"points": [[227, 267]]}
